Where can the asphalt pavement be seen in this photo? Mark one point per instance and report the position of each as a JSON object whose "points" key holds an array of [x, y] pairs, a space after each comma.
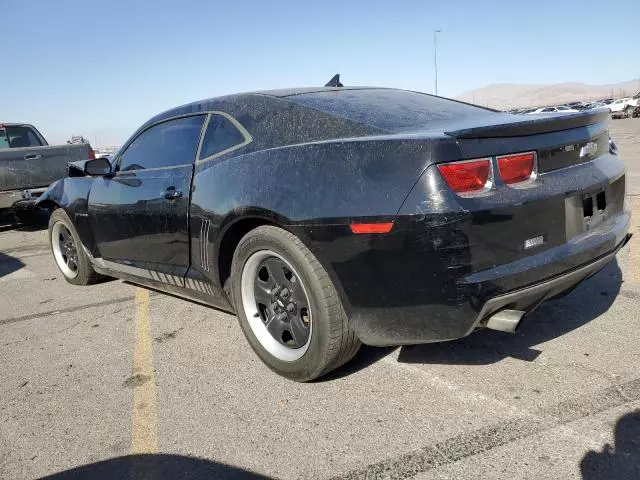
{"points": [[115, 381]]}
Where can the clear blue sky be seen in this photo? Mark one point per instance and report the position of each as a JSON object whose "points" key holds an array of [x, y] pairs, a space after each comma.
{"points": [[101, 68]]}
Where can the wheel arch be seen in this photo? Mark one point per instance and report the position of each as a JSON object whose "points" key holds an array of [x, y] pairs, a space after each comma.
{"points": [[49, 204], [230, 237], [232, 232]]}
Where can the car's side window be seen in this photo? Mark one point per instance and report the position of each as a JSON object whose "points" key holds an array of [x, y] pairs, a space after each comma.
{"points": [[166, 144], [18, 137], [221, 135]]}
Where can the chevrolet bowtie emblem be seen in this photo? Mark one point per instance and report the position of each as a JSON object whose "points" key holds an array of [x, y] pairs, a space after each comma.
{"points": [[588, 149]]}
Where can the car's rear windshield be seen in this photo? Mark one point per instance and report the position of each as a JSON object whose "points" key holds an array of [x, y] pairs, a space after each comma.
{"points": [[387, 109], [18, 136]]}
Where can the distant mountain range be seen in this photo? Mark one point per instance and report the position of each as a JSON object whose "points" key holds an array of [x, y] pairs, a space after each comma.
{"points": [[513, 95]]}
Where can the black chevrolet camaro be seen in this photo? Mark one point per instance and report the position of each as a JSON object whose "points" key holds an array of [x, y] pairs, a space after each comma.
{"points": [[327, 217]]}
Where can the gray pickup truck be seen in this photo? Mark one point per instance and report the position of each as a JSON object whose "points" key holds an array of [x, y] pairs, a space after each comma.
{"points": [[28, 164]]}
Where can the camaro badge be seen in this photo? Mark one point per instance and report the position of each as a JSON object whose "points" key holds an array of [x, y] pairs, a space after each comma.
{"points": [[588, 149]]}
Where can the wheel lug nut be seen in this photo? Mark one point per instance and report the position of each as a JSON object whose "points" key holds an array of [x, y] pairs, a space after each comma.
{"points": [[276, 290], [290, 308], [281, 317], [285, 293]]}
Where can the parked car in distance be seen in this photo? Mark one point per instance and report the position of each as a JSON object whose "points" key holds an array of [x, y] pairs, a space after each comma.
{"points": [[578, 105], [558, 109], [28, 164], [623, 107], [327, 217], [520, 111]]}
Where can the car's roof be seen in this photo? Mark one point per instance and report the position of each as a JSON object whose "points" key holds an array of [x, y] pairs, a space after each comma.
{"points": [[209, 103], [290, 116], [288, 92]]}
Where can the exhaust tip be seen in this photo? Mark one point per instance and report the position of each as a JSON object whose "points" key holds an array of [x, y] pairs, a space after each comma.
{"points": [[505, 320]]}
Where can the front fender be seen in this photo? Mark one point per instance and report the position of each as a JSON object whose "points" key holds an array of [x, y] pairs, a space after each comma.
{"points": [[50, 198], [72, 195]]}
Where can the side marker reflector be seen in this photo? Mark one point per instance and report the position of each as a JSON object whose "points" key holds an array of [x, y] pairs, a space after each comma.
{"points": [[371, 227]]}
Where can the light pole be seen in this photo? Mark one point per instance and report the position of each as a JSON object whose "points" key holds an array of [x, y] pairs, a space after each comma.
{"points": [[435, 57]]}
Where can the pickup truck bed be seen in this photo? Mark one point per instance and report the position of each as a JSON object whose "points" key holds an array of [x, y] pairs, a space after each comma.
{"points": [[28, 164]]}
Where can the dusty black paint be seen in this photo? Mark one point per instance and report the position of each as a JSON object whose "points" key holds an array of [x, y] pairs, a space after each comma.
{"points": [[314, 169]]}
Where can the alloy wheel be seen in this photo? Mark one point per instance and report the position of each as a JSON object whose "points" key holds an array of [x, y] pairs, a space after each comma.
{"points": [[64, 250], [276, 305]]}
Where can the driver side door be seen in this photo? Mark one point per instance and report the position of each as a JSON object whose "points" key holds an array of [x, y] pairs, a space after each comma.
{"points": [[140, 215]]}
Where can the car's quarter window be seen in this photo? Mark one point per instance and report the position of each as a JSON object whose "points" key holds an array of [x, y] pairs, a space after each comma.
{"points": [[166, 144], [222, 134]]}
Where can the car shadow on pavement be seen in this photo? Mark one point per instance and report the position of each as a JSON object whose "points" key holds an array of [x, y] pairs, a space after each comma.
{"points": [[9, 264], [622, 462], [365, 357], [550, 320], [154, 467]]}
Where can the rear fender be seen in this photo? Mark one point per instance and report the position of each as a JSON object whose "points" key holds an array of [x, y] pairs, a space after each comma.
{"points": [[324, 182]]}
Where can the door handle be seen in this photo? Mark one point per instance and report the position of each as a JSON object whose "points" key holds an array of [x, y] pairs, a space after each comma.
{"points": [[172, 194], [32, 157]]}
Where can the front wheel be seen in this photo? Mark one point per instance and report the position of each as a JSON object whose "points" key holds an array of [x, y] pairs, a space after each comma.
{"points": [[288, 307], [68, 251], [629, 111]]}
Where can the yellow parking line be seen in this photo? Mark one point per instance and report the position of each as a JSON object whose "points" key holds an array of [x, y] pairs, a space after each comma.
{"points": [[633, 270], [144, 437]]}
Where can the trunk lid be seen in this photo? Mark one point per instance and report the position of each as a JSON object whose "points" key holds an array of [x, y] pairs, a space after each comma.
{"points": [[559, 140], [507, 125]]}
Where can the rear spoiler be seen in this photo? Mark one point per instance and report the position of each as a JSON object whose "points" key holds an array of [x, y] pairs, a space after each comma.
{"points": [[521, 125]]}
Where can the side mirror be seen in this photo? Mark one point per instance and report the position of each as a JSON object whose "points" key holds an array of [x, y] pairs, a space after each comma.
{"points": [[97, 167]]}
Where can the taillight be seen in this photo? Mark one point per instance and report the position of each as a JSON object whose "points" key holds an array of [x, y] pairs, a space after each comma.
{"points": [[517, 167], [466, 176], [92, 154]]}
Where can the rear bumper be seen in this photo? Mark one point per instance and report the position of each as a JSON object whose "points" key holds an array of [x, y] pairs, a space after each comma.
{"points": [[527, 298], [519, 285]]}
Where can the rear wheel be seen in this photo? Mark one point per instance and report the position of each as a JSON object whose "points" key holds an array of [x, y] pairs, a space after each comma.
{"points": [[288, 307], [68, 251]]}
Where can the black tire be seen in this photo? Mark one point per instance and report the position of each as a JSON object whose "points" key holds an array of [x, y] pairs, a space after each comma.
{"points": [[84, 273], [332, 342]]}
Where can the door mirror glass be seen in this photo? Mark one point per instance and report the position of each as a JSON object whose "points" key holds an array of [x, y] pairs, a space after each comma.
{"points": [[97, 167]]}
